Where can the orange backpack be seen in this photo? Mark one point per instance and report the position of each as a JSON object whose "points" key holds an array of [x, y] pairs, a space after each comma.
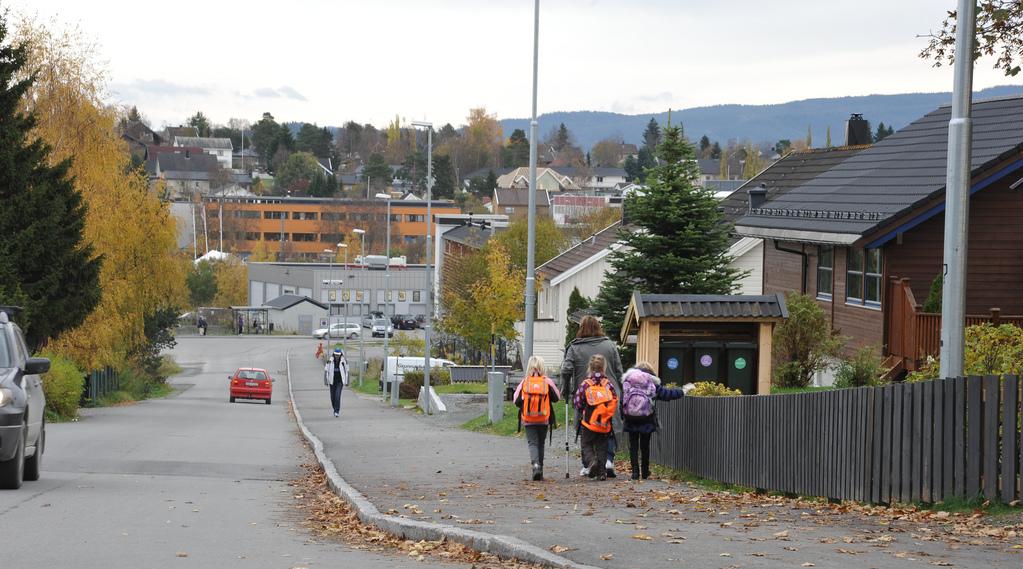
{"points": [[536, 401], [600, 406]]}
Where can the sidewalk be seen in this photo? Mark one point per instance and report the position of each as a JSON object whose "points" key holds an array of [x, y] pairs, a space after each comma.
{"points": [[421, 467]]}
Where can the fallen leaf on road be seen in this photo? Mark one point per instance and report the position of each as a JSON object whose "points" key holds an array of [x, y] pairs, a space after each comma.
{"points": [[181, 554], [608, 556], [561, 548], [807, 564], [642, 537], [782, 534]]}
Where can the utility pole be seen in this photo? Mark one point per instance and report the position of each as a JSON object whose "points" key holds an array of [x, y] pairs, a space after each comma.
{"points": [[957, 196], [527, 345], [428, 321]]}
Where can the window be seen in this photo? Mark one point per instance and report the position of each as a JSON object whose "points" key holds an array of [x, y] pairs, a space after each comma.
{"points": [[305, 237], [275, 215], [307, 215], [395, 217], [863, 277], [416, 296], [854, 277], [326, 216], [825, 270], [415, 217], [872, 280], [249, 236], [247, 214]]}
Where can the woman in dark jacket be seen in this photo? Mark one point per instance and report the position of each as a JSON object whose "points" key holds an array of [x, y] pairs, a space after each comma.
{"points": [[590, 341], [640, 427]]}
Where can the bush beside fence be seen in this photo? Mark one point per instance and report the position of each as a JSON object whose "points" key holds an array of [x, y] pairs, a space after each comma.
{"points": [[908, 442]]}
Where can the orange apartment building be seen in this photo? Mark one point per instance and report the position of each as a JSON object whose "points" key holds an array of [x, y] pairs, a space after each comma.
{"points": [[301, 228]]}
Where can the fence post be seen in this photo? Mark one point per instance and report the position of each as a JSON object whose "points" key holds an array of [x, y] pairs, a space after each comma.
{"points": [[996, 316]]}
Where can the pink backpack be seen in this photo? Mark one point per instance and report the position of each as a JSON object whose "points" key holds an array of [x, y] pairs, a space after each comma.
{"points": [[639, 391]]}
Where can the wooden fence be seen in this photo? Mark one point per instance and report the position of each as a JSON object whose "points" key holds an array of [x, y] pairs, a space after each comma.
{"points": [[913, 335], [906, 442]]}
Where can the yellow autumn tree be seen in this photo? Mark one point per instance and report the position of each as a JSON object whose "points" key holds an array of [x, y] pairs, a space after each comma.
{"points": [[262, 252], [487, 299], [232, 277], [126, 223]]}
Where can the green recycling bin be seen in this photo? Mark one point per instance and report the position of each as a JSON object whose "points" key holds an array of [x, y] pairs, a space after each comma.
{"points": [[707, 361], [741, 360]]}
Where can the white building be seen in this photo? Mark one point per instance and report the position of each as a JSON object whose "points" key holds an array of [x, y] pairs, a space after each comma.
{"points": [[222, 148]]}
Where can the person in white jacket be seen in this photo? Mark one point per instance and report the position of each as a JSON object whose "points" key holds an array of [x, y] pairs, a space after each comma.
{"points": [[335, 376]]}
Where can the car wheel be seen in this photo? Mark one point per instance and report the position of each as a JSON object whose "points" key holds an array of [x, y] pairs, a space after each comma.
{"points": [[353, 336], [33, 465], [267, 400], [231, 399], [12, 472]]}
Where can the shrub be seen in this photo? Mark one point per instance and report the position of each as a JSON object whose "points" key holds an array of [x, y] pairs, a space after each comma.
{"points": [[989, 350], [63, 386], [863, 370], [804, 343], [413, 380], [712, 389], [933, 303]]}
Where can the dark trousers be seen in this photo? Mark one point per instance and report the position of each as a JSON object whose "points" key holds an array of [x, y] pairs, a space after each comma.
{"points": [[639, 451], [612, 445], [335, 395], [594, 447], [536, 436]]}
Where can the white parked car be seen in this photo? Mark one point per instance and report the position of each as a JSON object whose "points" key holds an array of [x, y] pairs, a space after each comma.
{"points": [[340, 330]]}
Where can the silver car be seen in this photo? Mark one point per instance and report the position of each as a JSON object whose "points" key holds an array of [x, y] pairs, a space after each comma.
{"points": [[381, 327], [351, 331], [22, 424]]}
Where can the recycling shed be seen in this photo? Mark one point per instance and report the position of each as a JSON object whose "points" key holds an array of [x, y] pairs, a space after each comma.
{"points": [[700, 337]]}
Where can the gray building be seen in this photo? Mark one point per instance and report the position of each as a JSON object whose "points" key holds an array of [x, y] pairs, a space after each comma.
{"points": [[356, 290]]}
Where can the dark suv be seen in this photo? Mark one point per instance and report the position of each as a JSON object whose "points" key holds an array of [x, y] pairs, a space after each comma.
{"points": [[22, 426], [404, 321]]}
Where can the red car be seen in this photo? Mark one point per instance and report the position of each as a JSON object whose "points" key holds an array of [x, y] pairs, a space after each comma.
{"points": [[251, 383]]}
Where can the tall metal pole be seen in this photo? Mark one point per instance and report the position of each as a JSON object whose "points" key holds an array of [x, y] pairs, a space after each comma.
{"points": [[527, 344], [428, 321], [957, 196], [344, 329], [330, 287], [387, 303], [362, 352]]}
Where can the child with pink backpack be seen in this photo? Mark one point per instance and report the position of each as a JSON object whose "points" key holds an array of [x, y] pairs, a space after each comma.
{"points": [[640, 388]]}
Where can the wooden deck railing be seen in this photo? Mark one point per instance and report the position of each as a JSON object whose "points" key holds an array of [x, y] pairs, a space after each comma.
{"points": [[913, 335]]}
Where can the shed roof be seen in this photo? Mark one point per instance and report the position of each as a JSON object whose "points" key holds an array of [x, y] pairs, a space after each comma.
{"points": [[519, 197], [286, 301], [709, 306]]}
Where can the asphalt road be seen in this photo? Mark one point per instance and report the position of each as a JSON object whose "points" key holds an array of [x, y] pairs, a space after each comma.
{"points": [[187, 481]]}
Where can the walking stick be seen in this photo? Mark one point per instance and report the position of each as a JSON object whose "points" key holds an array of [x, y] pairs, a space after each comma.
{"points": [[567, 467]]}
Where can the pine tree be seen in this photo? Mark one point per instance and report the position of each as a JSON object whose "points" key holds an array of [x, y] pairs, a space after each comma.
{"points": [[44, 264], [652, 135], [677, 241], [576, 302], [704, 146], [715, 150]]}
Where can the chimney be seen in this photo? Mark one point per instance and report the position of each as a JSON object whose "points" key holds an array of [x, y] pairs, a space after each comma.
{"points": [[757, 197], [857, 130]]}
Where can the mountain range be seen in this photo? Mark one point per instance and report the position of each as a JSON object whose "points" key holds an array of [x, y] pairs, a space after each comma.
{"points": [[756, 123]]}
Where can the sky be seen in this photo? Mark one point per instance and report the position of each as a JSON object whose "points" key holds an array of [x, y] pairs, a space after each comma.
{"points": [[371, 60]]}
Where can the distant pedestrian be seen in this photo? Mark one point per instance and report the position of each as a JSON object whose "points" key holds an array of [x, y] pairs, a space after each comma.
{"points": [[596, 400], [335, 376], [590, 341], [202, 326], [640, 388], [241, 324], [535, 396]]}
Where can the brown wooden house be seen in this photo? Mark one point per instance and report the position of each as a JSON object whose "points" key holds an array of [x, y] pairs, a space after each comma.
{"points": [[865, 236]]}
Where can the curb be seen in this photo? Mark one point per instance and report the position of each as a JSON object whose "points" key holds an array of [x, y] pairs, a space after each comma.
{"points": [[500, 545]]}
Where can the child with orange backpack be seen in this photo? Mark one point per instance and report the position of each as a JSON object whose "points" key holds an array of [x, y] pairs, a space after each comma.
{"points": [[596, 401], [535, 396]]}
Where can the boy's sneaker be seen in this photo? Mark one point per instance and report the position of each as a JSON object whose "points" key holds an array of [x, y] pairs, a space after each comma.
{"points": [[337, 414], [584, 472], [609, 468], [537, 472]]}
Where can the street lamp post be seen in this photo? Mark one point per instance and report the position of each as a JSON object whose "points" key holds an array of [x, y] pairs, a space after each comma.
{"points": [[330, 283], [428, 321], [530, 300], [362, 251], [344, 329], [387, 302]]}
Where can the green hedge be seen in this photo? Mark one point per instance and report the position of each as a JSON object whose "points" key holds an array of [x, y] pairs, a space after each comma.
{"points": [[63, 386]]}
